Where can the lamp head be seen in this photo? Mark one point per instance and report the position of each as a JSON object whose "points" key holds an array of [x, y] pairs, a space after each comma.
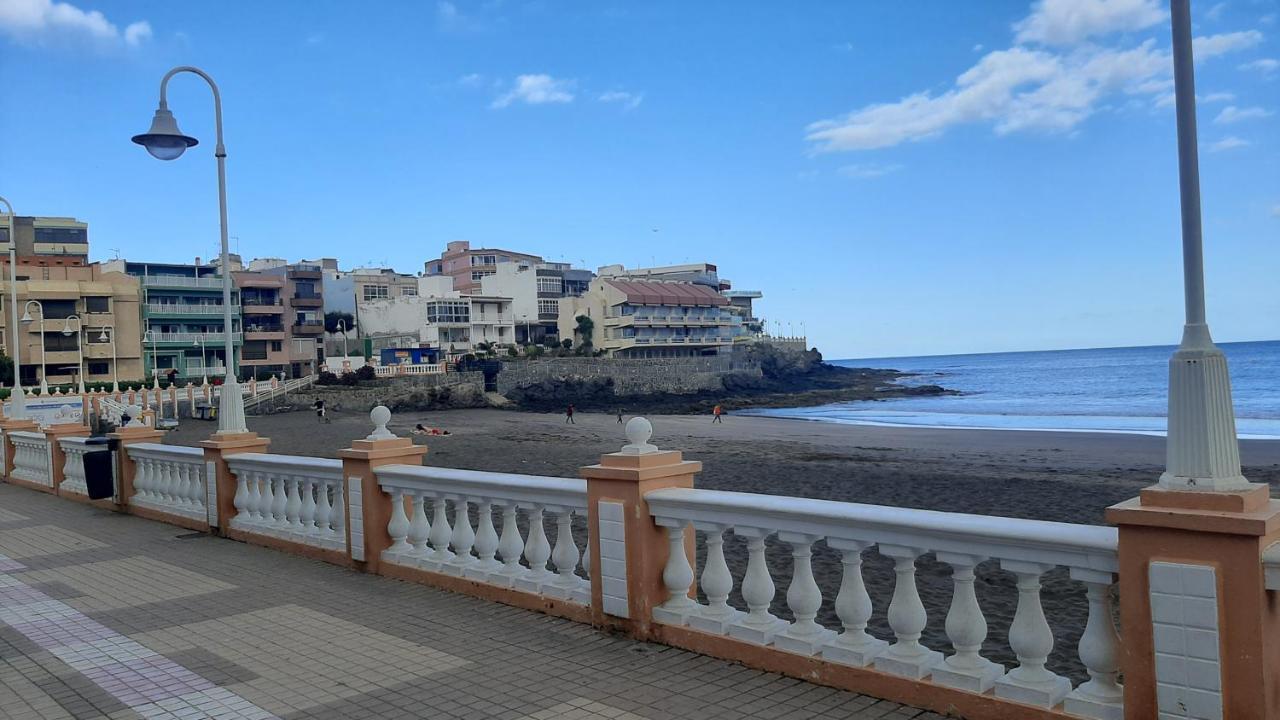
{"points": [[164, 140], [102, 337], [26, 316]]}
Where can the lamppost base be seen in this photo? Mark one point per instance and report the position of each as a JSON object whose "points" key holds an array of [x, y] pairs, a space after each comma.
{"points": [[1202, 452], [231, 409]]}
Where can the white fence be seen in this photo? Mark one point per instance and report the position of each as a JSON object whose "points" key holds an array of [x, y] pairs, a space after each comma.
{"points": [[171, 479], [407, 369], [31, 457], [73, 478], [299, 499]]}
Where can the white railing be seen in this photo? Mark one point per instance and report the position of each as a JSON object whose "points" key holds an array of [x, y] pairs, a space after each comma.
{"points": [[293, 498], [31, 457], [189, 309], [265, 390], [407, 369], [190, 337], [73, 478], [456, 548], [1026, 548], [113, 411], [171, 479], [182, 281]]}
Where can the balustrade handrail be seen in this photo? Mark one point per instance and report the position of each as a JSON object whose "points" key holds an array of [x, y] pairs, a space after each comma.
{"points": [[1084, 547], [28, 435], [523, 489], [177, 453], [324, 468]]}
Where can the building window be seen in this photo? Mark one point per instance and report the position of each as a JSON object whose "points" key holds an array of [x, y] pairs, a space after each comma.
{"points": [[57, 342], [409, 291], [98, 368], [484, 260], [277, 345], [477, 274], [548, 307], [550, 285], [97, 304], [447, 311], [56, 309], [78, 236], [375, 292]]}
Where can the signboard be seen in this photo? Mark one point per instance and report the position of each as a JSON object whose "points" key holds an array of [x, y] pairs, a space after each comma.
{"points": [[53, 410]]}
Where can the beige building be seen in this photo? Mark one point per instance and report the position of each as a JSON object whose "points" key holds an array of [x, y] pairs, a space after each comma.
{"points": [[55, 240], [83, 306], [644, 318]]}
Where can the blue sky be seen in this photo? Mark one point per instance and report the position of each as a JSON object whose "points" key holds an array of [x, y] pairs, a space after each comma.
{"points": [[905, 178]]}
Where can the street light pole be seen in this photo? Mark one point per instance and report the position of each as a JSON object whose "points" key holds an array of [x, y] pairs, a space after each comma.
{"points": [[155, 359], [1202, 452], [115, 371], [26, 318], [204, 369], [66, 332], [342, 325], [18, 399], [165, 142]]}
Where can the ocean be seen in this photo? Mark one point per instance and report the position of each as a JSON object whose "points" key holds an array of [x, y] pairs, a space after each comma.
{"points": [[1121, 390]]}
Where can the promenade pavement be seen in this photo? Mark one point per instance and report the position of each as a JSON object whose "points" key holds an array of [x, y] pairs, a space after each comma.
{"points": [[105, 615]]}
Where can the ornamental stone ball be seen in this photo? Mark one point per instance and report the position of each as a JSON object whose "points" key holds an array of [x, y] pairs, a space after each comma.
{"points": [[638, 431], [380, 416]]}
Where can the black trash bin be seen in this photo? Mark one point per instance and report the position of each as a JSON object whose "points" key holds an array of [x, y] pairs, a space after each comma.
{"points": [[99, 467]]}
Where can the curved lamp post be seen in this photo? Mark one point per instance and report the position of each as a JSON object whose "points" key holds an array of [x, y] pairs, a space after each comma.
{"points": [[66, 332], [115, 372], [1202, 452], [342, 327], [155, 367], [166, 142], [26, 318], [204, 369], [18, 399]]}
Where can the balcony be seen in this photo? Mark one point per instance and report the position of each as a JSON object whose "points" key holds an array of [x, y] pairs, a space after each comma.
{"points": [[264, 332], [492, 320], [305, 272], [188, 309], [187, 338], [308, 327], [182, 281], [308, 300]]}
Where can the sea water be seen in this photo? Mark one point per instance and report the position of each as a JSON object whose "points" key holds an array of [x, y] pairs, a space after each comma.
{"points": [[1098, 390]]}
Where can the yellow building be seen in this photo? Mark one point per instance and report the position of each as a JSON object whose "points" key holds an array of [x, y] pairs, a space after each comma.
{"points": [[81, 306]]}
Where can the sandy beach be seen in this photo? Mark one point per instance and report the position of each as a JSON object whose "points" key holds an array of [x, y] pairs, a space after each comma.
{"points": [[1058, 476]]}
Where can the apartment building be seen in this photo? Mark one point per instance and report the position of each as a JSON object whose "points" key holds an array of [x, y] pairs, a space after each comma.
{"points": [[468, 266], [448, 321], [707, 275], [741, 304], [182, 318], [54, 240], [283, 310], [73, 308], [645, 318], [535, 292]]}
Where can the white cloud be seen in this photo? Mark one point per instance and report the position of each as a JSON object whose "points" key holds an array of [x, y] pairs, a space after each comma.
{"points": [[866, 171], [1216, 97], [43, 21], [1215, 13], [471, 80], [1066, 22], [977, 48], [1266, 66], [1026, 88], [1228, 143], [1232, 114], [537, 90], [1214, 45], [628, 101], [1268, 19]]}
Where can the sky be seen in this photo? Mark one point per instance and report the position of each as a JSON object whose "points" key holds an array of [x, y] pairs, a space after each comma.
{"points": [[898, 178]]}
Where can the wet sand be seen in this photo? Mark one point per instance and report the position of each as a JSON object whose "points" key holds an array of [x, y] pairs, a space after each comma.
{"points": [[1059, 476]]}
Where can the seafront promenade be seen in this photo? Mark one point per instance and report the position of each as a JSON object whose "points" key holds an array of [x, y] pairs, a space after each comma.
{"points": [[369, 582]]}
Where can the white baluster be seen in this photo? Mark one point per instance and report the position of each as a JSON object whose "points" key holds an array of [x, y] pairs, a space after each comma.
{"points": [[398, 526], [565, 556], [338, 519], [907, 618], [967, 629], [324, 513], [486, 542], [1031, 640], [199, 490], [419, 528], [184, 484], [293, 506], [253, 481], [854, 646], [462, 538], [307, 516], [511, 546], [758, 626], [536, 551], [279, 502], [441, 534], [804, 598], [717, 583], [677, 577], [1101, 696]]}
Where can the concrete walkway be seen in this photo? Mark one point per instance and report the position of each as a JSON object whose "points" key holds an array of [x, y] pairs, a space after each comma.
{"points": [[109, 615]]}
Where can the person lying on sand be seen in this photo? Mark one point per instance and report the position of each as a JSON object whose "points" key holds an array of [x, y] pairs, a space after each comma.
{"points": [[421, 429]]}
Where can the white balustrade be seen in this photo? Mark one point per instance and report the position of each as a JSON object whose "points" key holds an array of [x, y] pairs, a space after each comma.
{"points": [[170, 479], [443, 537], [73, 478], [294, 498], [1025, 548], [31, 457]]}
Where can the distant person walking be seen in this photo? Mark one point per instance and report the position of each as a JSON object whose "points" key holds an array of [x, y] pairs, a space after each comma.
{"points": [[172, 376], [321, 414], [619, 416], [568, 415], [716, 415]]}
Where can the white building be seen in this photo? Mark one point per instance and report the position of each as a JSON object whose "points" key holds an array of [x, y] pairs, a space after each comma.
{"points": [[536, 293], [453, 322]]}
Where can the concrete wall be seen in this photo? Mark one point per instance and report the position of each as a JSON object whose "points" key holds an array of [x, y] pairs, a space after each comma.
{"points": [[468, 389], [675, 375]]}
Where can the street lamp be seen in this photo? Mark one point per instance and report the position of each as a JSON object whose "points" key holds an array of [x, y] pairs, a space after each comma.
{"points": [[342, 327], [166, 142], [155, 364], [115, 370], [17, 400], [1202, 452], [66, 332], [204, 369], [26, 318]]}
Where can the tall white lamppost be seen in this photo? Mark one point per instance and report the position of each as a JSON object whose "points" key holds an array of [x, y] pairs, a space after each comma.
{"points": [[115, 371], [150, 335], [17, 399], [342, 327], [1202, 452], [204, 369], [66, 332], [26, 318], [166, 142]]}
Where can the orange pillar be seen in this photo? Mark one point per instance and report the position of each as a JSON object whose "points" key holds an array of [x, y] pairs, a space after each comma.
{"points": [[368, 508], [1201, 631], [128, 435], [58, 458], [216, 450], [628, 551]]}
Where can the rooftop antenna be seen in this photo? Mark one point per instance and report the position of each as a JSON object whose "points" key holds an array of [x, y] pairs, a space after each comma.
{"points": [[116, 251]]}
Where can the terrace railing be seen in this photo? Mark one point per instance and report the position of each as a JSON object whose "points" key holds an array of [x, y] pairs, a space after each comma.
{"points": [[296, 499], [73, 478], [31, 457], [171, 480]]}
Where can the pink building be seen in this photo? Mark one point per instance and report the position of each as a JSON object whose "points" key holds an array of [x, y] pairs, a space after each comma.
{"points": [[467, 266]]}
